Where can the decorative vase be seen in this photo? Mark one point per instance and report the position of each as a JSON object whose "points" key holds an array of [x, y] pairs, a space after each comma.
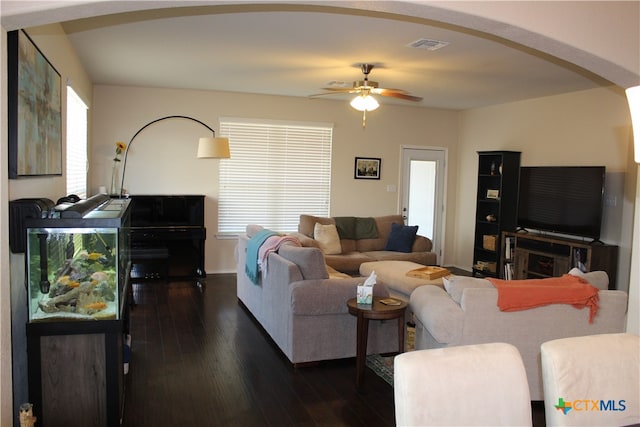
{"points": [[114, 190]]}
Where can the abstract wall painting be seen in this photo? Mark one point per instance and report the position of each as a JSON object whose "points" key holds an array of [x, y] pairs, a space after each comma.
{"points": [[34, 110]]}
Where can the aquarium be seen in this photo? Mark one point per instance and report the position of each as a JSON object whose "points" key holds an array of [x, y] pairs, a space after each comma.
{"points": [[76, 268]]}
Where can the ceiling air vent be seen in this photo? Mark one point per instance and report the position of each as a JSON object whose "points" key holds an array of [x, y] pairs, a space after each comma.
{"points": [[428, 44]]}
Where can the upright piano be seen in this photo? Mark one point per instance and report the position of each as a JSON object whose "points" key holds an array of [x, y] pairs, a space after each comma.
{"points": [[167, 237]]}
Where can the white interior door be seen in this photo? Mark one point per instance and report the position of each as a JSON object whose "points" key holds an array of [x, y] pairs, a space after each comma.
{"points": [[423, 189]]}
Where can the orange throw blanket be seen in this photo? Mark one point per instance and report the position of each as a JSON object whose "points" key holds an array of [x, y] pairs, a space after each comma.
{"points": [[515, 295]]}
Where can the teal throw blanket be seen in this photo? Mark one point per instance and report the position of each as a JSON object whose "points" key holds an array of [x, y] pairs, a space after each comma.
{"points": [[251, 263]]}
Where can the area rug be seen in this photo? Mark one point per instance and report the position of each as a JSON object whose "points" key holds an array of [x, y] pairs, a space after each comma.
{"points": [[383, 365]]}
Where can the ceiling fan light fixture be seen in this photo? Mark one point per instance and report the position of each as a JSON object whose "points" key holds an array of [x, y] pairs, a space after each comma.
{"points": [[364, 103]]}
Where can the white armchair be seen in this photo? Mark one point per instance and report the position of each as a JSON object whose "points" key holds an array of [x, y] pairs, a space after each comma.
{"points": [[592, 380], [474, 385]]}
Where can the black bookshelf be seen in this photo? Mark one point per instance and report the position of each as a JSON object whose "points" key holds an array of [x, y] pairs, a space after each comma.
{"points": [[496, 208]]}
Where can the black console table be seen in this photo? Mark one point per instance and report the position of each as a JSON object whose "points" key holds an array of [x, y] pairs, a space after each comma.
{"points": [[167, 237]]}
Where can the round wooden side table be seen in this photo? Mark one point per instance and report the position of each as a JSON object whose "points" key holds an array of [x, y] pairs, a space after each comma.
{"points": [[375, 311]]}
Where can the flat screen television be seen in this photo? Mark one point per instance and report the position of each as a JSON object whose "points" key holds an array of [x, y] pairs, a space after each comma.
{"points": [[562, 199]]}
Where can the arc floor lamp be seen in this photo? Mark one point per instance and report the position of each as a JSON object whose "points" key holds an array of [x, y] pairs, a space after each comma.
{"points": [[208, 148]]}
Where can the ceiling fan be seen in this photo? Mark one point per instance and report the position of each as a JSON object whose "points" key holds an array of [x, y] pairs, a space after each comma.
{"points": [[364, 89]]}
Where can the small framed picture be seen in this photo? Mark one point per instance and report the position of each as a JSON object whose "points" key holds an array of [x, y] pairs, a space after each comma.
{"points": [[493, 194], [367, 168]]}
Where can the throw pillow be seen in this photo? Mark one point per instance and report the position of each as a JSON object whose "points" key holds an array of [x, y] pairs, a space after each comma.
{"points": [[310, 261], [335, 274], [401, 238], [253, 229], [455, 285], [308, 222], [599, 279], [327, 238]]}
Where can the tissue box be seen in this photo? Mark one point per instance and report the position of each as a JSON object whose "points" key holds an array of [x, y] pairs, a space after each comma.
{"points": [[364, 295]]}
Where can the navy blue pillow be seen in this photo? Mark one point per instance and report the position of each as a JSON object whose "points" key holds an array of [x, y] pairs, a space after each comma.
{"points": [[401, 238]]}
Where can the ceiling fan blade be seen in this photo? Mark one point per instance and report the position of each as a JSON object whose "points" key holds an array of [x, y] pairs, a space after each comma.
{"points": [[399, 95], [383, 91], [316, 95], [341, 89]]}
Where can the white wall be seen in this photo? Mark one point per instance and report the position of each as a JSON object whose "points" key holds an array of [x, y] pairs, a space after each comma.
{"points": [[162, 158], [633, 319], [54, 44], [583, 128], [6, 382], [600, 36]]}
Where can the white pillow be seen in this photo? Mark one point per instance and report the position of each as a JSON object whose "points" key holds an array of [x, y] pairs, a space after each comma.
{"points": [[253, 229], [455, 285], [599, 279], [327, 238]]}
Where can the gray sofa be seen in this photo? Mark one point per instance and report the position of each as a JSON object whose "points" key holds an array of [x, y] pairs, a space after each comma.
{"points": [[303, 309], [356, 250], [466, 312]]}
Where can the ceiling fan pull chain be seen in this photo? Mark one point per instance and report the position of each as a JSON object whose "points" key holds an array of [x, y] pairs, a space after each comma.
{"points": [[364, 119]]}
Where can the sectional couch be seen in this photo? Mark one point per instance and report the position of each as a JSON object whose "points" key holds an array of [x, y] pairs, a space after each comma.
{"points": [[365, 240], [465, 312], [304, 309]]}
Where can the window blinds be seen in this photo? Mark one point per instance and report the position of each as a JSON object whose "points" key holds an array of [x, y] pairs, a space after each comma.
{"points": [[276, 172], [76, 144]]}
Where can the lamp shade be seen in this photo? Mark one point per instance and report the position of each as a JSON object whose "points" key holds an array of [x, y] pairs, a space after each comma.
{"points": [[213, 148], [364, 103], [633, 97]]}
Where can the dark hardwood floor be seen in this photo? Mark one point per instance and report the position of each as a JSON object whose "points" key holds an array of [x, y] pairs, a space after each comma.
{"points": [[200, 359]]}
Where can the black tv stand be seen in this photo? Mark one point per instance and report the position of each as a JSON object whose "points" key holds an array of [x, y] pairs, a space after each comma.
{"points": [[167, 237]]}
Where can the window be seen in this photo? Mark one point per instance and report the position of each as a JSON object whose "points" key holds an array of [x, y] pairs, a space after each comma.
{"points": [[76, 144], [277, 171]]}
